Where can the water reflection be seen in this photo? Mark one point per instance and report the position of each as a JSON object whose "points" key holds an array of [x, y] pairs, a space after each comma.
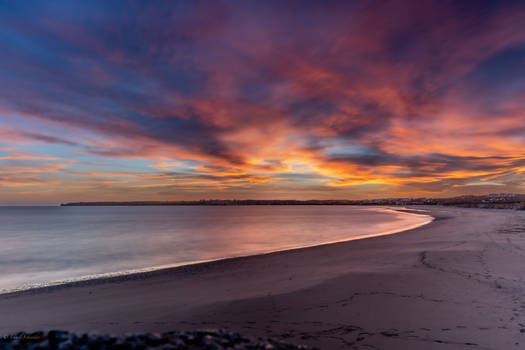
{"points": [[45, 244]]}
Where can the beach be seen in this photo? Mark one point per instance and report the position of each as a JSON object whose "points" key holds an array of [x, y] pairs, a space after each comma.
{"points": [[455, 283]]}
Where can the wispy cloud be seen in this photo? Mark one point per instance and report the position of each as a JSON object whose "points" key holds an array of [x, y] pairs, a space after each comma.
{"points": [[264, 99]]}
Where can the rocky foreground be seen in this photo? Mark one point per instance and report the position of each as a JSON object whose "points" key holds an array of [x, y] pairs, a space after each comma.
{"points": [[195, 340]]}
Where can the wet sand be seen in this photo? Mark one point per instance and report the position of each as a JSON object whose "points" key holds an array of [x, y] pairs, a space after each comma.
{"points": [[456, 283]]}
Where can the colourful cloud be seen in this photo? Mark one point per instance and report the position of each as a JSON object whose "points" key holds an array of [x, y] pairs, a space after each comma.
{"points": [[237, 99]]}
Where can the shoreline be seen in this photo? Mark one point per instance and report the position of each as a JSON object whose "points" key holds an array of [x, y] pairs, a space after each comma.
{"points": [[112, 277], [456, 283]]}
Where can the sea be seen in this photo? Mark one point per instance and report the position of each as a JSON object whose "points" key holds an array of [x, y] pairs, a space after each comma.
{"points": [[43, 246]]}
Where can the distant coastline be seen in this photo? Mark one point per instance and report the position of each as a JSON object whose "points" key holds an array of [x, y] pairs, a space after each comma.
{"points": [[490, 201]]}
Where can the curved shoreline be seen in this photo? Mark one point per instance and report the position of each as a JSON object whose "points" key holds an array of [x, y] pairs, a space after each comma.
{"points": [[152, 271], [455, 283]]}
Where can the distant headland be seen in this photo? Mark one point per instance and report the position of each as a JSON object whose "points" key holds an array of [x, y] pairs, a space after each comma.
{"points": [[496, 201]]}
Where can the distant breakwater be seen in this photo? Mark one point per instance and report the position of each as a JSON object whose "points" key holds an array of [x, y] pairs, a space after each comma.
{"points": [[491, 201]]}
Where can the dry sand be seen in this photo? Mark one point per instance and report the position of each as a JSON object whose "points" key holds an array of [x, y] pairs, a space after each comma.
{"points": [[456, 283]]}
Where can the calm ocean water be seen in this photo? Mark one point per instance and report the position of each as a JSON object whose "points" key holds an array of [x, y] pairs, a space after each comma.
{"points": [[46, 245]]}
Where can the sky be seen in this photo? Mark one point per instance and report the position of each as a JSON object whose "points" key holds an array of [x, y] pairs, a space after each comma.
{"points": [[185, 100]]}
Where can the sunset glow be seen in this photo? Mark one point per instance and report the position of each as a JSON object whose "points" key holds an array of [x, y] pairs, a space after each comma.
{"points": [[103, 100]]}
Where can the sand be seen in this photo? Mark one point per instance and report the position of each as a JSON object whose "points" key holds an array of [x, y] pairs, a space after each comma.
{"points": [[456, 283]]}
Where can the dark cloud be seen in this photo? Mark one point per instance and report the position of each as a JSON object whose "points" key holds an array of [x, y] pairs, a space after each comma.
{"points": [[49, 139]]}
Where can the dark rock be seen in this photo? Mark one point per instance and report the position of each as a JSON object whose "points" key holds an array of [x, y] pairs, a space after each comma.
{"points": [[194, 340]]}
